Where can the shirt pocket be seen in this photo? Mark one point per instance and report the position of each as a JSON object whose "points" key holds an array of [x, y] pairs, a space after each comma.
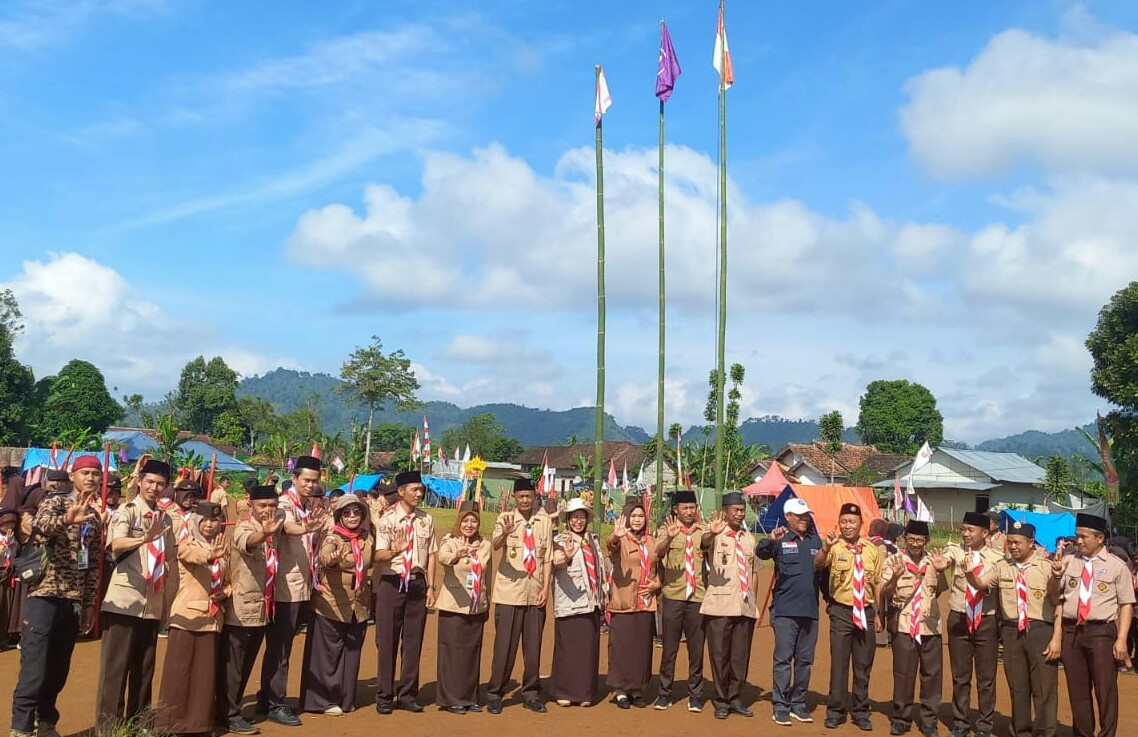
{"points": [[250, 605]]}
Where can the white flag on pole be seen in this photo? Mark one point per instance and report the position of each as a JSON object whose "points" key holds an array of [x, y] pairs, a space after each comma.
{"points": [[924, 455], [604, 99]]}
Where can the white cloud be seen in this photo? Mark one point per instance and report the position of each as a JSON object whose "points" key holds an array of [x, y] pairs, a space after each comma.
{"points": [[32, 25], [1068, 104]]}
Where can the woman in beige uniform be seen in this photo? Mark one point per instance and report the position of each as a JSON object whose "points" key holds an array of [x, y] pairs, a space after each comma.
{"points": [[463, 603], [341, 606], [578, 600], [632, 604]]}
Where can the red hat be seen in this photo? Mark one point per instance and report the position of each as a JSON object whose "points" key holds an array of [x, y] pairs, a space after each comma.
{"points": [[86, 462]]}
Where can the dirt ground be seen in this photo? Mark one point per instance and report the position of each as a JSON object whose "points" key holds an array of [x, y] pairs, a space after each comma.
{"points": [[77, 702]]}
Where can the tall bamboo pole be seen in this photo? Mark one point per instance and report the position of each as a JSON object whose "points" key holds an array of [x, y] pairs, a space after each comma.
{"points": [[722, 326], [599, 428], [663, 317]]}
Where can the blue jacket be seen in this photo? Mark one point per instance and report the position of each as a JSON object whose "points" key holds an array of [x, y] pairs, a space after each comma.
{"points": [[797, 583]]}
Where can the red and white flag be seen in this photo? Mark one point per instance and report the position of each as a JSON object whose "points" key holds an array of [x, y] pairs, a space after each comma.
{"points": [[722, 58], [315, 450], [898, 495], [416, 447], [624, 478], [426, 439], [679, 459], [604, 99], [612, 474], [543, 486]]}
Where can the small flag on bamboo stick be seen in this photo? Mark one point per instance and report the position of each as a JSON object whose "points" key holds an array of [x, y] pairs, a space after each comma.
{"points": [[722, 58], [669, 66], [604, 99]]}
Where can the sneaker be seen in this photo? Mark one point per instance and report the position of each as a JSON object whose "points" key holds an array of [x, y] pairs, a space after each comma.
{"points": [[658, 642], [16, 732], [163, 634], [695, 705], [564, 702], [46, 729], [238, 725], [800, 714], [283, 715], [334, 711], [623, 702], [897, 728], [662, 703], [863, 723], [781, 718]]}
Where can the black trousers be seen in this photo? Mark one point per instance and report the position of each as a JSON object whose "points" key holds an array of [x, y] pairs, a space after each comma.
{"points": [[681, 619], [47, 640], [239, 646], [909, 658], [729, 648], [126, 667], [400, 617], [288, 617], [848, 643], [1031, 679], [977, 650], [514, 624], [1088, 661], [795, 639]]}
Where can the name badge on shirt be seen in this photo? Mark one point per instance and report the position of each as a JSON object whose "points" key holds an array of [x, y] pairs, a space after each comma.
{"points": [[82, 560], [790, 547], [470, 578]]}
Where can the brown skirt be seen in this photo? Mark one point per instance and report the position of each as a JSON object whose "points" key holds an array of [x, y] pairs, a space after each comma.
{"points": [[187, 696], [576, 657], [460, 652], [331, 664], [630, 651]]}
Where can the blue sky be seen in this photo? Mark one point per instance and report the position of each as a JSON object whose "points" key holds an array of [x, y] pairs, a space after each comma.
{"points": [[944, 193]]}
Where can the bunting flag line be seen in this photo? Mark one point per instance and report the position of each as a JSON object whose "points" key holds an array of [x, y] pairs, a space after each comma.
{"points": [[722, 58], [604, 99], [669, 66]]}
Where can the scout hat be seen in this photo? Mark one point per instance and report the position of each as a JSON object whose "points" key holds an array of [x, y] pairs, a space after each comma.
{"points": [[684, 496], [158, 468], [917, 527], [262, 493], [523, 485], [576, 505], [849, 509], [408, 477], [976, 519], [209, 510], [1022, 528], [1090, 522], [731, 498], [310, 462]]}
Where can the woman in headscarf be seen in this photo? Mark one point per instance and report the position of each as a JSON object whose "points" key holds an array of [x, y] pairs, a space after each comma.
{"points": [[632, 606], [578, 601], [464, 599], [187, 696], [336, 638]]}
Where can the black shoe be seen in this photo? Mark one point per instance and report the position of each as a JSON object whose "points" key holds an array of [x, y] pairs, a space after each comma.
{"points": [[930, 733], [535, 705], [741, 710], [283, 715], [453, 709], [639, 702], [959, 732], [983, 734], [721, 712], [662, 703], [897, 728], [834, 722], [695, 705], [238, 725], [384, 707], [411, 705], [623, 702], [474, 707], [863, 724], [494, 706]]}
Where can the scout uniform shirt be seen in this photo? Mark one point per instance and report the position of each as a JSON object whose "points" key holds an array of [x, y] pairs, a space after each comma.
{"points": [[931, 583], [998, 541], [132, 590], [1037, 573], [71, 570], [294, 574], [629, 572], [1111, 586], [727, 595], [456, 592], [840, 561], [246, 606], [512, 585], [339, 597], [959, 558], [198, 579], [673, 580], [425, 544]]}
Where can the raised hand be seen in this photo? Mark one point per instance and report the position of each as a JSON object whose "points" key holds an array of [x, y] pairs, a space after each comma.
{"points": [[510, 522], [398, 540], [217, 548], [672, 526], [832, 537], [779, 533], [77, 511], [335, 558], [569, 547], [155, 526], [897, 564], [939, 560], [717, 524], [272, 525], [1058, 565], [620, 529]]}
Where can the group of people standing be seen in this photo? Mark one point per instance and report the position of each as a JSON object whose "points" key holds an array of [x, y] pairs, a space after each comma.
{"points": [[297, 562]]}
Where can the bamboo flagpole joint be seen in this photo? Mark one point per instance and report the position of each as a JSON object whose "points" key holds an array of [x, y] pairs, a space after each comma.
{"points": [[723, 66], [602, 102]]}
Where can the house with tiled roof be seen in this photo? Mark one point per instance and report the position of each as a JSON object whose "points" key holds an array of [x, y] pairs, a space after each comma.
{"points": [[812, 463], [565, 459]]}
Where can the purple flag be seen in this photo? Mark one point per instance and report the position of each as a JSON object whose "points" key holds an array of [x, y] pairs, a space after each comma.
{"points": [[669, 68]]}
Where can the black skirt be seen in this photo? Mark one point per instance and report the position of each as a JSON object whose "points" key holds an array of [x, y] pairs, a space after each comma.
{"points": [[630, 651], [460, 654], [576, 657], [331, 664]]}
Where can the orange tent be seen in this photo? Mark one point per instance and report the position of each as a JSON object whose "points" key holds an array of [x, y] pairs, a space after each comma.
{"points": [[826, 501]]}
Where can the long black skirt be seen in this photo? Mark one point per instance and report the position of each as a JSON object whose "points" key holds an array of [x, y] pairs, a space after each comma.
{"points": [[187, 696], [576, 657], [460, 654], [630, 651], [331, 664]]}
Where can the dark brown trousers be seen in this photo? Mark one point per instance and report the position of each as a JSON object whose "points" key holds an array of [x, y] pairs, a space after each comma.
{"points": [[848, 643], [288, 618], [239, 646], [1088, 660], [400, 617], [968, 651], [126, 667], [514, 624], [682, 619], [908, 659], [729, 649], [1031, 679]]}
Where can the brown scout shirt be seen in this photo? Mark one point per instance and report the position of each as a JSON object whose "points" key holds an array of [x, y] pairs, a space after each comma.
{"points": [[724, 596], [1037, 573], [425, 544], [337, 600], [934, 584], [129, 593], [840, 560], [624, 558], [959, 558], [673, 584], [62, 577], [246, 605], [512, 585], [454, 593], [294, 571], [190, 609], [1112, 586]]}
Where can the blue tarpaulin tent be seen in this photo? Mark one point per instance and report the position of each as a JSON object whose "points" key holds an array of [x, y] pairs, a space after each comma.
{"points": [[42, 457], [363, 482], [773, 516], [1048, 527], [442, 489]]}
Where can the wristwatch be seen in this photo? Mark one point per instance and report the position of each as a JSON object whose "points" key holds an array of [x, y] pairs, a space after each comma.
{"points": [[431, 586]]}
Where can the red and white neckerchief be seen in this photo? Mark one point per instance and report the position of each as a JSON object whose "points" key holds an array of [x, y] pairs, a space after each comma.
{"points": [[1021, 596], [858, 587], [165, 503], [475, 583], [271, 561], [974, 599], [590, 558], [529, 550], [408, 553], [154, 559], [293, 497], [8, 551], [215, 571], [1085, 580], [184, 531], [689, 564], [645, 570], [353, 537], [741, 562], [916, 610]]}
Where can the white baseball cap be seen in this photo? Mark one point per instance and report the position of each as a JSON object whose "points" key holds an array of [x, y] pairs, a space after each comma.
{"points": [[796, 506]]}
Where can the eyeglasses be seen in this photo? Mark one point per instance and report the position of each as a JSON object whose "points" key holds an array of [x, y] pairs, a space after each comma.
{"points": [[352, 512]]}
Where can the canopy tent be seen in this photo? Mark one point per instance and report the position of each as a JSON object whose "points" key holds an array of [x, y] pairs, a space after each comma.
{"points": [[34, 457], [772, 483], [1097, 508], [137, 443], [438, 488], [825, 502], [362, 482], [1048, 527]]}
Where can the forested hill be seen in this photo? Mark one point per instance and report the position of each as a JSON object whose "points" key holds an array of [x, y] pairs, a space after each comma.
{"points": [[1033, 443]]}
